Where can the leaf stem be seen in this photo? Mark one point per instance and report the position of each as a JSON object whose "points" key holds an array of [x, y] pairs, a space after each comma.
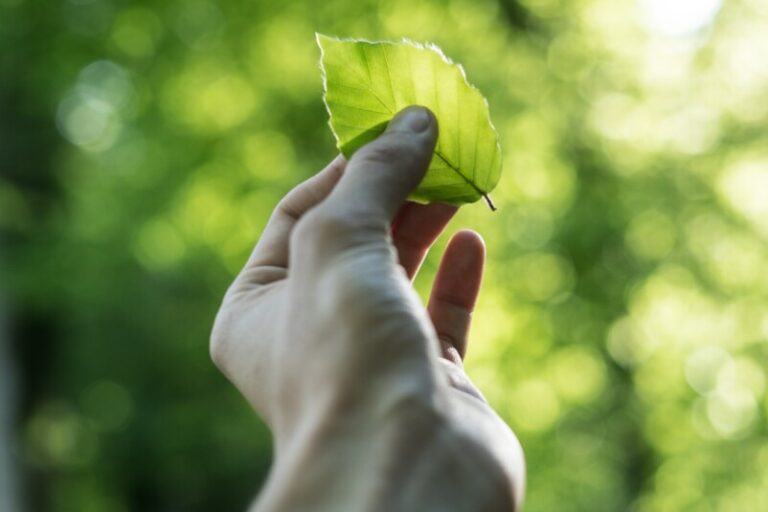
{"points": [[469, 182], [490, 203]]}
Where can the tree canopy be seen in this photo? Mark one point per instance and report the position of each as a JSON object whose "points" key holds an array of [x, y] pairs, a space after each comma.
{"points": [[623, 327]]}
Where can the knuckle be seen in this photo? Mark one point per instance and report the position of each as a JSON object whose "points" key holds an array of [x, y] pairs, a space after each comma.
{"points": [[380, 154], [458, 381], [319, 224], [448, 344], [395, 148]]}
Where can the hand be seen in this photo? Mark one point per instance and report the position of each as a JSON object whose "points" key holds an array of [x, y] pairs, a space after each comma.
{"points": [[324, 335]]}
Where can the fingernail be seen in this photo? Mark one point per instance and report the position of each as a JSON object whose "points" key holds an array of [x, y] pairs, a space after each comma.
{"points": [[412, 119]]}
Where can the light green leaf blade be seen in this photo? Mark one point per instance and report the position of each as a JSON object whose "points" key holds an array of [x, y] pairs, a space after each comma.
{"points": [[366, 83]]}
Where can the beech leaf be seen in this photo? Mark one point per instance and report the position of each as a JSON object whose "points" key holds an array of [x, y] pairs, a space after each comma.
{"points": [[366, 83]]}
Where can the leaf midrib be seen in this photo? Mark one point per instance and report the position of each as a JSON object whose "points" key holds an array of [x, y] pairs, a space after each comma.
{"points": [[445, 160], [457, 171]]}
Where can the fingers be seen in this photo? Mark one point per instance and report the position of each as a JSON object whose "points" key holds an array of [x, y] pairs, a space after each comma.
{"points": [[455, 292], [381, 174], [271, 251], [415, 229]]}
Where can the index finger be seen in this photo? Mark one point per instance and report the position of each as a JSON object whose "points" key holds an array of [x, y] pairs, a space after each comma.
{"points": [[270, 256]]}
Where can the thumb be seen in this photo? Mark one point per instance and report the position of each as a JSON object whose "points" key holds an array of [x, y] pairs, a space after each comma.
{"points": [[381, 174]]}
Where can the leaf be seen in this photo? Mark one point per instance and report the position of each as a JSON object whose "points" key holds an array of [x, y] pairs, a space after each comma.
{"points": [[367, 83]]}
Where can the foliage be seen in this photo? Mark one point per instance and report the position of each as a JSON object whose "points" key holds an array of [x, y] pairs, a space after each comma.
{"points": [[623, 327], [367, 83]]}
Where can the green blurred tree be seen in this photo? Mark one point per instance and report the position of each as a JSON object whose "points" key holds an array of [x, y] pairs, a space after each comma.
{"points": [[622, 330]]}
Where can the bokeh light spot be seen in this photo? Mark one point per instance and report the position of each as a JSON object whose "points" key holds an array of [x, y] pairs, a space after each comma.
{"points": [[732, 414], [743, 186], [58, 437], [679, 17], [541, 276], [87, 122], [702, 367], [136, 32], [651, 235], [198, 23], [210, 100], [108, 405], [268, 154], [159, 244], [577, 373], [534, 405]]}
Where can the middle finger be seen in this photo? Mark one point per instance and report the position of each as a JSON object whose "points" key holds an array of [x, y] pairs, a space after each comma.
{"points": [[414, 230]]}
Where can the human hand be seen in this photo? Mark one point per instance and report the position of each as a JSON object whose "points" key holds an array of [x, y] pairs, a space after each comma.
{"points": [[324, 335]]}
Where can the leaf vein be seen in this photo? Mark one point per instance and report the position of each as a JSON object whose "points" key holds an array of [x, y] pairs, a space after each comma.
{"points": [[389, 74], [370, 80], [361, 109], [455, 169]]}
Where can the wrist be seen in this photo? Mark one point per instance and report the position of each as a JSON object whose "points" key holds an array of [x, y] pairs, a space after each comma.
{"points": [[413, 457], [350, 459]]}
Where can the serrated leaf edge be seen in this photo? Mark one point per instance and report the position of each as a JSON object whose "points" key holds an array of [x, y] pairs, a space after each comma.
{"points": [[424, 46]]}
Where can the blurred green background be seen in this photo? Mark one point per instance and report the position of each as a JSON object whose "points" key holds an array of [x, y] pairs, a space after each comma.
{"points": [[623, 327]]}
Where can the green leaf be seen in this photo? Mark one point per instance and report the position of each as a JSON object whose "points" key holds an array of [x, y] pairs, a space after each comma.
{"points": [[367, 83]]}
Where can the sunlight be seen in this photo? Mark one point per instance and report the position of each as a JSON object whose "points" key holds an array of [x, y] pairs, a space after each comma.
{"points": [[679, 17], [743, 186]]}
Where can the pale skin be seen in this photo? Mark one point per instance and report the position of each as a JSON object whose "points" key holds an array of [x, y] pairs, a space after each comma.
{"points": [[362, 386]]}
